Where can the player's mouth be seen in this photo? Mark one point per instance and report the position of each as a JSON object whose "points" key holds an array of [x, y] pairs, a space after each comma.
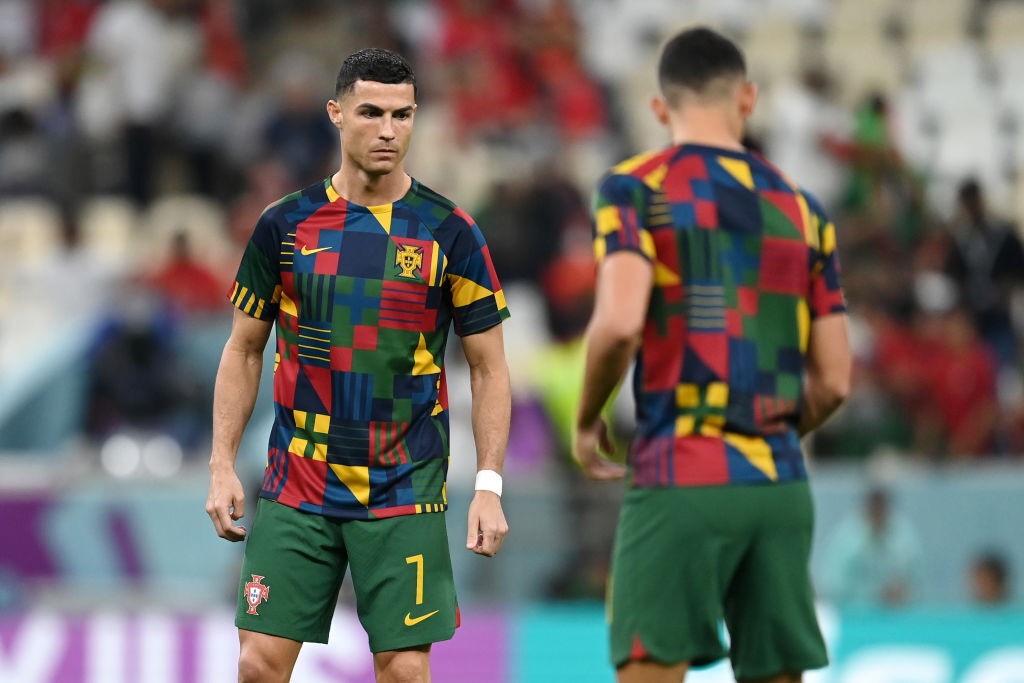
{"points": [[385, 151]]}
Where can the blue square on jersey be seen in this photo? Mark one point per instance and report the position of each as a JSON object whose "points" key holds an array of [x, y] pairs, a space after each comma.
{"points": [[363, 255]]}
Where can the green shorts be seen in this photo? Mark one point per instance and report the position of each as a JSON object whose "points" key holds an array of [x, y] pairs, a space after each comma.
{"points": [[401, 574], [688, 558]]}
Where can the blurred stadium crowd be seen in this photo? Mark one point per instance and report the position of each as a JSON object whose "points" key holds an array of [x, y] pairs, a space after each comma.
{"points": [[141, 139]]}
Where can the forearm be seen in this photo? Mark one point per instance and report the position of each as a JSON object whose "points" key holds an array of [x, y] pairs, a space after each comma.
{"points": [[492, 411], [820, 403], [608, 357], [234, 397]]}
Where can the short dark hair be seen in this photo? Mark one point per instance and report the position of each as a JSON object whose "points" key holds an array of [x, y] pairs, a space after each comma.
{"points": [[694, 59], [373, 64]]}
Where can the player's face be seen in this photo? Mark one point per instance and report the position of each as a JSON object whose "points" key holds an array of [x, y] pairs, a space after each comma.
{"points": [[375, 120]]}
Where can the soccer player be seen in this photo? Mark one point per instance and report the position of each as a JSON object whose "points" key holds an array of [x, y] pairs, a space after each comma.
{"points": [[720, 276], [364, 274]]}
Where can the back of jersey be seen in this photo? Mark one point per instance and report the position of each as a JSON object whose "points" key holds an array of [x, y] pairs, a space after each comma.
{"points": [[743, 262]]}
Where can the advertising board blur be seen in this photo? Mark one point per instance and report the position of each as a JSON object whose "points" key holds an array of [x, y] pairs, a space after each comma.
{"points": [[533, 645]]}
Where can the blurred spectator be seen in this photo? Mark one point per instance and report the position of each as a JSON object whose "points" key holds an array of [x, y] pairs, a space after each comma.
{"points": [[489, 87], [298, 132], [873, 558], [186, 284], [23, 161], [877, 415], [876, 169], [989, 579], [528, 224], [127, 91], [960, 410], [62, 26], [987, 261], [555, 218], [16, 28], [137, 383], [576, 101], [509, 235], [204, 107]]}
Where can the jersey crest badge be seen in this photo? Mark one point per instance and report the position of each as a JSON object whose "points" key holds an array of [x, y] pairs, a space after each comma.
{"points": [[409, 259], [256, 593]]}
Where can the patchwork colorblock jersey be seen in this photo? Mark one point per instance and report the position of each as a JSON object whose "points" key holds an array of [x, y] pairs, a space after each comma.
{"points": [[743, 262], [364, 297]]}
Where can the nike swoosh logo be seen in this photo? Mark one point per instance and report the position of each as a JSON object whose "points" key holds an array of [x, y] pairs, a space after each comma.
{"points": [[306, 251], [409, 621]]}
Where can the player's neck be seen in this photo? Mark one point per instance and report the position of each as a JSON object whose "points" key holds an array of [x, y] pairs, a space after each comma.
{"points": [[359, 187], [707, 126]]}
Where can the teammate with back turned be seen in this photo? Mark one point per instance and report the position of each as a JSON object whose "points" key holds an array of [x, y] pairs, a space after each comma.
{"points": [[720, 276]]}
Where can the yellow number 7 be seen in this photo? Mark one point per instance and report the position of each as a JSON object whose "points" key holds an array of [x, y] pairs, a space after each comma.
{"points": [[418, 561]]}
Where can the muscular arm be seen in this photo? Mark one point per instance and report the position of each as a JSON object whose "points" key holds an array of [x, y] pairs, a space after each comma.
{"points": [[492, 408], [827, 371], [613, 336], [234, 396]]}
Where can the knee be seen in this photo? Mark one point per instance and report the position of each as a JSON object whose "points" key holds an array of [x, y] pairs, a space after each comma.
{"points": [[253, 667], [405, 667]]}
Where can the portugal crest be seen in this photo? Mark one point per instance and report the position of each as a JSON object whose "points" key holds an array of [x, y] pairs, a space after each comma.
{"points": [[409, 259], [256, 593]]}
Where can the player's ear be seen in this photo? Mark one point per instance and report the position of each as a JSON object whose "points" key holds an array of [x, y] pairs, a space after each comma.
{"points": [[747, 98], [660, 108], [334, 113]]}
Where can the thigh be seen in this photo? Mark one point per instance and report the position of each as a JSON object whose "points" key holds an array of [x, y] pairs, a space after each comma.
{"points": [[674, 553], [402, 577], [291, 573], [770, 602]]}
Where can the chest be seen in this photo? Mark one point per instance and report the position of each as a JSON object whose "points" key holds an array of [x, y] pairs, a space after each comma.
{"points": [[362, 268]]}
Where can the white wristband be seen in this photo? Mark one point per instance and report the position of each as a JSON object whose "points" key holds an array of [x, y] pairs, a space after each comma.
{"points": [[488, 480]]}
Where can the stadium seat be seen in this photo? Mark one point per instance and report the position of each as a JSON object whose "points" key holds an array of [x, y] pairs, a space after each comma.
{"points": [[108, 229], [1004, 26], [955, 77], [931, 24], [803, 12], [202, 219], [853, 17], [774, 48], [864, 63], [30, 231]]}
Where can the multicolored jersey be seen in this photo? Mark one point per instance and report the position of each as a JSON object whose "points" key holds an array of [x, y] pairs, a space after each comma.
{"points": [[743, 262], [364, 297]]}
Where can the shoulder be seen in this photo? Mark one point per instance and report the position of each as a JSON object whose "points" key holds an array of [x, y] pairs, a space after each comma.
{"points": [[636, 171], [437, 212], [630, 180], [813, 205], [308, 198]]}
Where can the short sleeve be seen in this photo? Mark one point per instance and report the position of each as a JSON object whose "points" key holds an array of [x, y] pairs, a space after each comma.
{"points": [[620, 210], [478, 302], [826, 293], [257, 287]]}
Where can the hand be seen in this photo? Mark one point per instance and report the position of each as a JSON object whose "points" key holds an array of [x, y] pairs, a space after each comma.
{"points": [[226, 504], [588, 446], [487, 525]]}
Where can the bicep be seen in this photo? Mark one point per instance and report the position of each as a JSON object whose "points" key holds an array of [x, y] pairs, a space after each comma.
{"points": [[624, 281], [485, 349], [828, 349], [249, 334]]}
